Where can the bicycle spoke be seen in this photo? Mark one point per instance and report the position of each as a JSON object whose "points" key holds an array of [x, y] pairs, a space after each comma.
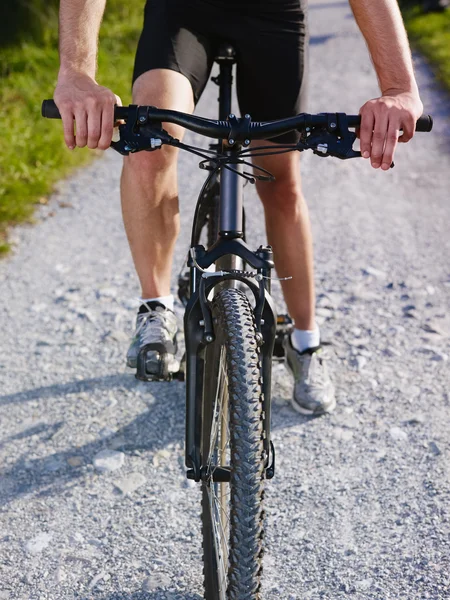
{"points": [[219, 492]]}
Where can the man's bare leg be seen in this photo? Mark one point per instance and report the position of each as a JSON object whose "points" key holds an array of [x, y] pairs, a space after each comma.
{"points": [[149, 186], [289, 233]]}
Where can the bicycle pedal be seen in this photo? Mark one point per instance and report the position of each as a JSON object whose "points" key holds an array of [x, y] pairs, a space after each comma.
{"points": [[284, 327], [163, 374]]}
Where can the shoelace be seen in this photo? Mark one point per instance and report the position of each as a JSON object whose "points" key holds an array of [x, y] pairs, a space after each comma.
{"points": [[151, 315]]}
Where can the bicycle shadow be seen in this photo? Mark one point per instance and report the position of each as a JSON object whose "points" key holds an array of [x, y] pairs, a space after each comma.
{"points": [[162, 424], [155, 428], [157, 594]]}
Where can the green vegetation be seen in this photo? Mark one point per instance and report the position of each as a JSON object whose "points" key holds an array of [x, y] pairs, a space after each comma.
{"points": [[33, 156], [430, 33]]}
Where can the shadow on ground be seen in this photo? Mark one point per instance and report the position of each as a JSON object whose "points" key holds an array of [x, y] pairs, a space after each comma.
{"points": [[154, 595], [161, 424]]}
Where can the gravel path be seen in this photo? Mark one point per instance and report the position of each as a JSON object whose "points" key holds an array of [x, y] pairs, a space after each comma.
{"points": [[93, 499]]}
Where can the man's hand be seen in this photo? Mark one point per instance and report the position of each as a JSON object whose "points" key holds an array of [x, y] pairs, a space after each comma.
{"points": [[79, 98], [382, 119]]}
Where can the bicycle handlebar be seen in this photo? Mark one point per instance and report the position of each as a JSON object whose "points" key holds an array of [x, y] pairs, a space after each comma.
{"points": [[242, 127]]}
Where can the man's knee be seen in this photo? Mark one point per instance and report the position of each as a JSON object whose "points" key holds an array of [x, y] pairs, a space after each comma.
{"points": [[284, 193], [151, 168]]}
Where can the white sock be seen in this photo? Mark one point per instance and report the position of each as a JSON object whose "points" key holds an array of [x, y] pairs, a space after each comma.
{"points": [[302, 339], [166, 300]]}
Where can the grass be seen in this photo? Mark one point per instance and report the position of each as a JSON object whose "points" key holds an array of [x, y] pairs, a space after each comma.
{"points": [[430, 33], [33, 156]]}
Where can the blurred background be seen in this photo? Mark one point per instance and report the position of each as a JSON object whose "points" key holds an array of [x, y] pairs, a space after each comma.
{"points": [[32, 154]]}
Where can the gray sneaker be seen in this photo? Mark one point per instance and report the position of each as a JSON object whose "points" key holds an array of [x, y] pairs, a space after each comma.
{"points": [[313, 390], [155, 325]]}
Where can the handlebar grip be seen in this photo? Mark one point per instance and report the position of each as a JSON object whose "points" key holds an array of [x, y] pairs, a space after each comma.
{"points": [[425, 123], [50, 110]]}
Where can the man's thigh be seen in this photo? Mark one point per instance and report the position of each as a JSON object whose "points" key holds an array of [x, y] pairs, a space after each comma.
{"points": [[165, 88], [272, 63], [169, 42]]}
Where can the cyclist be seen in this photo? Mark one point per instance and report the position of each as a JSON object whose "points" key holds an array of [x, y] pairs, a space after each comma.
{"points": [[173, 61]]}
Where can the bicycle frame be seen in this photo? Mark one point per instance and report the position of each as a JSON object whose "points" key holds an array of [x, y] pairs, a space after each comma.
{"points": [[198, 324]]}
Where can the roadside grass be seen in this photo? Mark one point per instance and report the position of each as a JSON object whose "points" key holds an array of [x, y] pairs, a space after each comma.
{"points": [[33, 156], [430, 33]]}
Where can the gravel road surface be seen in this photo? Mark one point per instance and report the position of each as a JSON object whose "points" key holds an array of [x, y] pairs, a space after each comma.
{"points": [[93, 499]]}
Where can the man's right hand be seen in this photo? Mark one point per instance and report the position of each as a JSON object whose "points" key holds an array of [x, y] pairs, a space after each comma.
{"points": [[91, 106]]}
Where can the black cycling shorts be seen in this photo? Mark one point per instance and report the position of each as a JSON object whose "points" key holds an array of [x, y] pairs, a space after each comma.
{"points": [[270, 38]]}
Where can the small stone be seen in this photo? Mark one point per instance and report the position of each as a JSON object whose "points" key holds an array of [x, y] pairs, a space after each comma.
{"points": [[86, 314], [391, 352], [60, 575], [116, 336], [158, 580], [109, 460], [374, 273], [107, 292], [360, 342], [75, 461], [409, 307], [432, 327], [416, 420], [106, 432], [434, 353], [342, 434], [327, 313], [39, 307], [38, 543], [434, 448], [398, 434], [43, 342], [430, 290], [131, 483], [361, 362], [96, 579], [363, 584], [76, 538]]}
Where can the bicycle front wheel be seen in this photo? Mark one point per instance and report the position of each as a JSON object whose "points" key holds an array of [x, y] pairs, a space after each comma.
{"points": [[232, 454]]}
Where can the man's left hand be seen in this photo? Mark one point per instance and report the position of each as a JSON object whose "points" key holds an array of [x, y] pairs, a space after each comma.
{"points": [[382, 120]]}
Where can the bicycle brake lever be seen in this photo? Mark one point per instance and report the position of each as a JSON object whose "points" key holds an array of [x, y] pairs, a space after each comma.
{"points": [[338, 142], [137, 135]]}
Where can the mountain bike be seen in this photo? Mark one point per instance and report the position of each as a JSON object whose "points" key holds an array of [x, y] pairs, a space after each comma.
{"points": [[231, 326]]}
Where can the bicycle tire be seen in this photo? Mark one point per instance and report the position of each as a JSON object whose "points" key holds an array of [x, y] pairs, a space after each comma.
{"points": [[233, 527], [206, 226]]}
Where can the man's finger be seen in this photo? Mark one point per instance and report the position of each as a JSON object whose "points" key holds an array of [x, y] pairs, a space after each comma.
{"points": [[409, 128], [67, 121], [94, 124], [366, 132], [391, 145], [378, 140], [106, 127], [81, 128]]}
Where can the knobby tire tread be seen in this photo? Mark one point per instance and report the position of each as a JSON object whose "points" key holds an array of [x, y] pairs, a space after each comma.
{"points": [[235, 322]]}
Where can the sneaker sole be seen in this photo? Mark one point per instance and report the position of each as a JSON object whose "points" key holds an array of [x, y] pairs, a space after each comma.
{"points": [[307, 411], [174, 366]]}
